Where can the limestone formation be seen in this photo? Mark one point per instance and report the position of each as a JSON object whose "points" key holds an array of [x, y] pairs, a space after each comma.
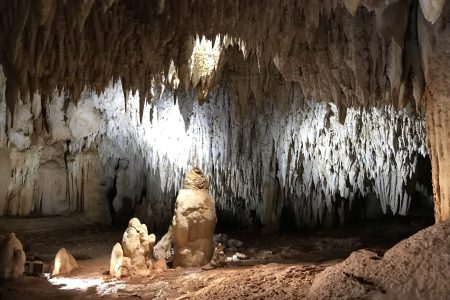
{"points": [[12, 257], [398, 274], [134, 256], [116, 261], [308, 109], [219, 259], [64, 263], [194, 222], [160, 265], [195, 180], [163, 249]]}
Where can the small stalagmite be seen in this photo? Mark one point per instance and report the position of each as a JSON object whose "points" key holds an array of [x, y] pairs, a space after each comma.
{"points": [[64, 263], [116, 261], [12, 257], [194, 222]]}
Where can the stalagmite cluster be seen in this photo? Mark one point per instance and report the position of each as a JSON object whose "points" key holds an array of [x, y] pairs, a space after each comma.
{"points": [[134, 256]]}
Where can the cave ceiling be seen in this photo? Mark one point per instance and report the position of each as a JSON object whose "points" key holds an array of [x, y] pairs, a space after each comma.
{"points": [[354, 53]]}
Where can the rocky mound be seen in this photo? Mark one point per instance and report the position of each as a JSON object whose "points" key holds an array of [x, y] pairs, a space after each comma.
{"points": [[416, 268]]}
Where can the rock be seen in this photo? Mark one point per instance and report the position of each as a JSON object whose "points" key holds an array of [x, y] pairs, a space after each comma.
{"points": [[116, 261], [134, 256], [415, 268], [162, 249], [219, 259], [12, 262], [130, 242], [34, 267], [64, 263], [240, 256], [236, 257], [232, 243], [160, 265], [195, 180], [194, 222]]}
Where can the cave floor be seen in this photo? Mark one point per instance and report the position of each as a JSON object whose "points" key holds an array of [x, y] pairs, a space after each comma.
{"points": [[280, 266]]}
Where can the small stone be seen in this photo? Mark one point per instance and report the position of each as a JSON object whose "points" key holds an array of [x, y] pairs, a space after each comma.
{"points": [[219, 259]]}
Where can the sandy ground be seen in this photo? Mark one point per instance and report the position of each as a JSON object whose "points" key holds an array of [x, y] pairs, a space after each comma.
{"points": [[281, 266]]}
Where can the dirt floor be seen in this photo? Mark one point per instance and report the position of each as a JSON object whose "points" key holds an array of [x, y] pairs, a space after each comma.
{"points": [[281, 266]]}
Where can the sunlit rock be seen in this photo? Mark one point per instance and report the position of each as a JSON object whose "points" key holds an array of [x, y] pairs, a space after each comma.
{"points": [[64, 263], [116, 261], [194, 222], [432, 9]]}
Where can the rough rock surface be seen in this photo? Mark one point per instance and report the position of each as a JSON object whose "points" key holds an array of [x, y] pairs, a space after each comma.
{"points": [[195, 180], [435, 42], [193, 224], [335, 49], [219, 259], [64, 263], [163, 248], [116, 261], [12, 257], [307, 160], [399, 274], [311, 159], [134, 256]]}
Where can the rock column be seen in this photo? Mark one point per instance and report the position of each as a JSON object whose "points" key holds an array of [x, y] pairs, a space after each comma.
{"points": [[194, 222]]}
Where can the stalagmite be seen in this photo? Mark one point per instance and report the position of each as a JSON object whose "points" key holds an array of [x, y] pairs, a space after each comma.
{"points": [[12, 257], [116, 262], [64, 263], [194, 222]]}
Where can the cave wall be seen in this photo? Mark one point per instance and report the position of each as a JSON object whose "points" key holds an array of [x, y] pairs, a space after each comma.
{"points": [[435, 45], [282, 153]]}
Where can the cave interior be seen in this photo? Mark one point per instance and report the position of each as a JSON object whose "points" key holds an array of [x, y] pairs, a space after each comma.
{"points": [[317, 130]]}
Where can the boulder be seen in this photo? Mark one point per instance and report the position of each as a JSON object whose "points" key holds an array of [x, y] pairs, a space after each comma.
{"points": [[194, 222], [64, 263], [12, 262]]}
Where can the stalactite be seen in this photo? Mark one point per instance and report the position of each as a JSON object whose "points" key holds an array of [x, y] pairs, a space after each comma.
{"points": [[50, 44]]}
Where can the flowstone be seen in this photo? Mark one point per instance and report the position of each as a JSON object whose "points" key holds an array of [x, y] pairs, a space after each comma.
{"points": [[194, 222]]}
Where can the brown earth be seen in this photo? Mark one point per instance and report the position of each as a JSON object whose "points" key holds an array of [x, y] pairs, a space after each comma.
{"points": [[281, 266]]}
